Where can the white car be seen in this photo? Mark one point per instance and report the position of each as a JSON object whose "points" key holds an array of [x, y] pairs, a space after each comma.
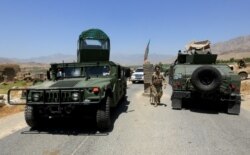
{"points": [[138, 75]]}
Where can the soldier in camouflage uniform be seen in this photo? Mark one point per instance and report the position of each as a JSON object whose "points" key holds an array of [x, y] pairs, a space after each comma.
{"points": [[157, 82]]}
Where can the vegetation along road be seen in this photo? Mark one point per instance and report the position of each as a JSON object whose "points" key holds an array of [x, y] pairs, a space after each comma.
{"points": [[139, 128]]}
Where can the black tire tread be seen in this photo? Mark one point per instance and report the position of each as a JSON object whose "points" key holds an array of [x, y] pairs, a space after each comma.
{"points": [[103, 115], [203, 88], [30, 116], [243, 75], [234, 106], [177, 104]]}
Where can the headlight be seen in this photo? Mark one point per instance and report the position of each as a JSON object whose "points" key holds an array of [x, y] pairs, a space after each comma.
{"points": [[177, 76], [36, 97], [75, 96]]}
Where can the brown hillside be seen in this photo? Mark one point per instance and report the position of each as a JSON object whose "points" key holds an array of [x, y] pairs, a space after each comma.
{"points": [[239, 44], [235, 55]]}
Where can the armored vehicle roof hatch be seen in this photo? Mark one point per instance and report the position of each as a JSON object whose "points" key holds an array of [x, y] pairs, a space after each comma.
{"points": [[197, 53], [93, 45]]}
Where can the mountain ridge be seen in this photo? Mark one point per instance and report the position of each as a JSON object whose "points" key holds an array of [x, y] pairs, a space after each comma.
{"points": [[124, 59], [236, 48], [238, 44], [225, 50]]}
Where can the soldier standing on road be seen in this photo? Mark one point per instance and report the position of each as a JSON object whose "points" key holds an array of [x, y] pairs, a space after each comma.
{"points": [[157, 83]]}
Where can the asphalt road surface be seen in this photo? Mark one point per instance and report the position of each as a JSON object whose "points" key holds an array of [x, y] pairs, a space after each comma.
{"points": [[139, 128]]}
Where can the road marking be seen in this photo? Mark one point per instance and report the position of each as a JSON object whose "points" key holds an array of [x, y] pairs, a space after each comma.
{"points": [[80, 145]]}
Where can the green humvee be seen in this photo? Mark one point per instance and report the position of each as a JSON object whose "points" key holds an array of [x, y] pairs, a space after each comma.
{"points": [[194, 75], [92, 83]]}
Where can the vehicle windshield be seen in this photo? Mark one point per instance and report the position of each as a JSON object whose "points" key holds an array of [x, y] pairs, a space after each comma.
{"points": [[91, 71], [93, 44], [139, 70]]}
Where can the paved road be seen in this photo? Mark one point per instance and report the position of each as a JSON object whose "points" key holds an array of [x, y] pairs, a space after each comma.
{"points": [[140, 128]]}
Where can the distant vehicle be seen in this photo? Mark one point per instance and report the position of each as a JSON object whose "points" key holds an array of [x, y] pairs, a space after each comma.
{"points": [[138, 75], [241, 68], [90, 86], [194, 75]]}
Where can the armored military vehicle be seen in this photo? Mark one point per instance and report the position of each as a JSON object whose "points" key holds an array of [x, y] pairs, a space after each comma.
{"points": [[195, 75], [241, 68], [92, 84]]}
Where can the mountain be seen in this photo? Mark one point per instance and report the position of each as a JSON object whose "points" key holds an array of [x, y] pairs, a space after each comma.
{"points": [[241, 44], [236, 48], [138, 59], [6, 60], [123, 59], [55, 58]]}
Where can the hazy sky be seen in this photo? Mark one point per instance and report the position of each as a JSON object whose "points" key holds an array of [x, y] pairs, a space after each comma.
{"points": [[30, 28]]}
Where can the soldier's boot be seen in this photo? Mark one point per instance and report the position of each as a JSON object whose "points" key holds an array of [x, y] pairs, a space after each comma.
{"points": [[155, 101], [158, 98]]}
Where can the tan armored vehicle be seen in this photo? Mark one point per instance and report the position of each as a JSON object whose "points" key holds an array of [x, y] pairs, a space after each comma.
{"points": [[241, 68]]}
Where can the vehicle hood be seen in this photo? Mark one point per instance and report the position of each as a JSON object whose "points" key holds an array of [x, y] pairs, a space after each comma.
{"points": [[74, 83]]}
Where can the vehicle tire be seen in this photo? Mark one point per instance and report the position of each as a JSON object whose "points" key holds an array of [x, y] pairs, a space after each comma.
{"points": [[243, 75], [125, 93], [233, 107], [177, 103], [206, 79], [103, 115], [31, 117], [133, 81]]}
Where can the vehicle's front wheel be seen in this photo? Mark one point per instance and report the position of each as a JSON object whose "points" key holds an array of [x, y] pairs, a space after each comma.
{"points": [[233, 107], [243, 75], [31, 117], [103, 115], [177, 103]]}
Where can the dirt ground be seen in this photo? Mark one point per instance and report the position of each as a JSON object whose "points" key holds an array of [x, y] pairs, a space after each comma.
{"points": [[8, 110], [245, 92], [245, 87]]}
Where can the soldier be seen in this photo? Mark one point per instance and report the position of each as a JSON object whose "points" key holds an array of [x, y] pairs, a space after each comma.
{"points": [[157, 83], [242, 63]]}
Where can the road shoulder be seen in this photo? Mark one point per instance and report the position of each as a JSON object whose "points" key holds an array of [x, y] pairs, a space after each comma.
{"points": [[11, 124]]}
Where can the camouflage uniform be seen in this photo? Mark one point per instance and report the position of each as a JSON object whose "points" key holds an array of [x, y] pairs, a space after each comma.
{"points": [[157, 83]]}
